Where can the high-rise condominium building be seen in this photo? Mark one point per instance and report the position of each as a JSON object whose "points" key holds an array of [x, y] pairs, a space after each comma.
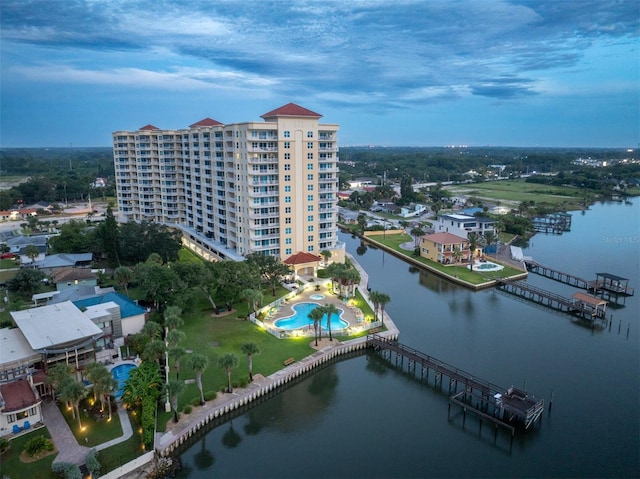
{"points": [[268, 187]]}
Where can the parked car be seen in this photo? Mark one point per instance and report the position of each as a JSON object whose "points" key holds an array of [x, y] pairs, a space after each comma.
{"points": [[7, 256]]}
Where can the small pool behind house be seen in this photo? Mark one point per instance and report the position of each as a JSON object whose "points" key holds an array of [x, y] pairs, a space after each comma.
{"points": [[121, 374]]}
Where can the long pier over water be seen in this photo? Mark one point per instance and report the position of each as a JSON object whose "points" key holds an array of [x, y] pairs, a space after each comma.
{"points": [[503, 407]]}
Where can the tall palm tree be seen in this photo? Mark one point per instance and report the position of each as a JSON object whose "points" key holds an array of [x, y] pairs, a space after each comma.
{"points": [[352, 278], [316, 315], [176, 354], [326, 254], [474, 239], [172, 321], [72, 392], [417, 233], [250, 349], [174, 389], [374, 296], [330, 309], [384, 299], [227, 362], [199, 363], [106, 385], [94, 372], [457, 256], [57, 375]]}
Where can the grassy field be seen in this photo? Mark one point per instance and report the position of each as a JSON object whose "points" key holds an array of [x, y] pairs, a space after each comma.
{"points": [[12, 466], [514, 192], [96, 430]]}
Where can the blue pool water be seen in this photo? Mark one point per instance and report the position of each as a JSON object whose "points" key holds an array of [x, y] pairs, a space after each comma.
{"points": [[121, 374], [300, 318], [317, 297]]}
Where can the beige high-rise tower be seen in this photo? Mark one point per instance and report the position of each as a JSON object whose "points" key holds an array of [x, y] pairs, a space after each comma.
{"points": [[233, 189]]}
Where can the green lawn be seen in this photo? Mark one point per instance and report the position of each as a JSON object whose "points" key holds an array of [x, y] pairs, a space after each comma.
{"points": [[121, 453], [12, 466], [96, 429], [517, 191], [461, 272], [215, 336]]}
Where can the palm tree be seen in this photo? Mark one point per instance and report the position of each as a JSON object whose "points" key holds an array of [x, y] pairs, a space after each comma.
{"points": [[32, 252], [250, 349], [72, 392], [174, 389], [94, 372], [227, 362], [374, 296], [326, 254], [199, 363], [457, 255], [417, 233], [123, 276], [473, 238], [151, 329], [106, 385], [172, 320], [176, 355], [316, 316], [253, 297], [330, 309], [57, 375], [489, 238], [352, 278], [383, 299]]}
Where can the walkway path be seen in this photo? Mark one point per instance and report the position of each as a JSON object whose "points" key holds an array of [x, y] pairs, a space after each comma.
{"points": [[68, 448]]}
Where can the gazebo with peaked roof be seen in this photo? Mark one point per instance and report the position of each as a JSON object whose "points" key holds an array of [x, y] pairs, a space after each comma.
{"points": [[303, 263]]}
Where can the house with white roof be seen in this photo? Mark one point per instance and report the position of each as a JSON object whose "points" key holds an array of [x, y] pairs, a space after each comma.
{"points": [[462, 225]]}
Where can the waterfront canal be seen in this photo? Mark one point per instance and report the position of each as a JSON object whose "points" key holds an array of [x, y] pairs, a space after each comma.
{"points": [[362, 418]]}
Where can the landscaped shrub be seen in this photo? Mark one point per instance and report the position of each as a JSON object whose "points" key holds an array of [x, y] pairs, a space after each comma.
{"points": [[244, 382], [4, 445], [37, 445], [195, 402], [66, 470], [210, 395], [148, 421], [92, 463], [187, 409]]}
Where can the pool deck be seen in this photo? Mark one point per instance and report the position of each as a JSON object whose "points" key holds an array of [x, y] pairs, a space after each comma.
{"points": [[350, 314]]}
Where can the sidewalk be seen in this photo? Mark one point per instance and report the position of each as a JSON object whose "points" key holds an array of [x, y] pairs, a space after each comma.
{"points": [[68, 448]]}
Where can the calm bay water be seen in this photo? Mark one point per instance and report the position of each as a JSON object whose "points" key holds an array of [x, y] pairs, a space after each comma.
{"points": [[362, 418]]}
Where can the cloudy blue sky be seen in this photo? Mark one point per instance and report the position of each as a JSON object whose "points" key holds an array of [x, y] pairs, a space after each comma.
{"points": [[392, 72]]}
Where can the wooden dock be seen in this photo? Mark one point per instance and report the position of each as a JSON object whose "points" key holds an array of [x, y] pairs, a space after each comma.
{"points": [[556, 223], [605, 284], [535, 267], [583, 305], [505, 408]]}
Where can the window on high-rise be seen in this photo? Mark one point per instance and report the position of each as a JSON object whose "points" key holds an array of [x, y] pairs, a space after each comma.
{"points": [[309, 197], [309, 134], [310, 145], [309, 187], [310, 177], [287, 156], [287, 177], [310, 218], [309, 166], [287, 167], [287, 221], [287, 144], [287, 134], [309, 156]]}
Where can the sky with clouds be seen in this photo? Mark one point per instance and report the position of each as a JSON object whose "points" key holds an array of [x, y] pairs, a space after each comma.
{"points": [[392, 72]]}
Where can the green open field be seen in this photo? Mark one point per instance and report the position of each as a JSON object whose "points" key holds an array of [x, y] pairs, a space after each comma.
{"points": [[514, 192]]}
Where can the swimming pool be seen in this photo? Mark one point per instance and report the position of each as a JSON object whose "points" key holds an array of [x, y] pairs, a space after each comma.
{"points": [[316, 297], [121, 374], [300, 318], [487, 266]]}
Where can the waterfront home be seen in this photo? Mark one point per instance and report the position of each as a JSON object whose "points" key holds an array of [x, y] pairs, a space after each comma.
{"points": [[462, 225], [440, 247]]}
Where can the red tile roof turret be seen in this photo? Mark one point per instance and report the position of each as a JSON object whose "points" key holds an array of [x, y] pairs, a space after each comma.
{"points": [[149, 127], [291, 109], [206, 122]]}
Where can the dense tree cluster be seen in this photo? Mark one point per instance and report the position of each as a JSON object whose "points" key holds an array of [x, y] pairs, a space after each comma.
{"points": [[56, 175]]}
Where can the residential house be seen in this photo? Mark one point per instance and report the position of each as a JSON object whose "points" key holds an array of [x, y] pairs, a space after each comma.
{"points": [[69, 277], [462, 225], [440, 247]]}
